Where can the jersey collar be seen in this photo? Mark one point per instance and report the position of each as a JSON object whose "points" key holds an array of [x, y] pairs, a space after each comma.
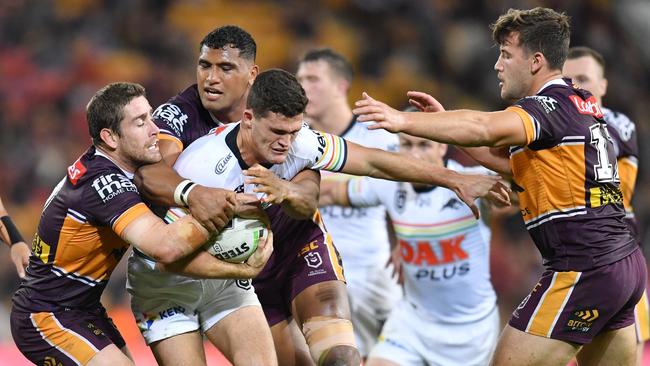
{"points": [[231, 141], [558, 81], [127, 173]]}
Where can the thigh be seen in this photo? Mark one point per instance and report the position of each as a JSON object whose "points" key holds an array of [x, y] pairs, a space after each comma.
{"points": [[328, 299], [180, 350], [244, 337], [614, 347], [290, 345], [577, 306], [110, 356], [398, 343], [642, 319], [223, 297], [516, 348], [66, 338]]}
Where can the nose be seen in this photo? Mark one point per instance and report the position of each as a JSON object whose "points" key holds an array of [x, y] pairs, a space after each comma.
{"points": [[213, 75], [285, 141], [497, 65], [153, 128]]}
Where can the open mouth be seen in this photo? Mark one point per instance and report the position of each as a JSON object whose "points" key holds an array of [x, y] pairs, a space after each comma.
{"points": [[212, 94]]}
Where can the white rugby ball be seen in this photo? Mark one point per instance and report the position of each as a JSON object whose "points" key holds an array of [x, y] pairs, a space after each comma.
{"points": [[238, 240]]}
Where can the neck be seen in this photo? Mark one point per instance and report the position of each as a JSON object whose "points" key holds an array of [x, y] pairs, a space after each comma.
{"points": [[123, 164], [244, 144], [334, 120], [543, 79]]}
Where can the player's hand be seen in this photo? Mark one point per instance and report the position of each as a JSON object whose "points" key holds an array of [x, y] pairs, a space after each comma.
{"points": [[3, 210], [473, 186], [258, 259], [370, 110], [212, 207], [250, 207], [20, 253], [274, 188], [395, 259], [424, 102]]}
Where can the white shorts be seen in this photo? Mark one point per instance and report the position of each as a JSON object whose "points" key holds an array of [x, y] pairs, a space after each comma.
{"points": [[408, 339], [372, 294], [166, 304]]}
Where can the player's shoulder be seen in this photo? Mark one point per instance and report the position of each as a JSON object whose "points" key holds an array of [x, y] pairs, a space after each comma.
{"points": [[307, 142], [180, 109]]}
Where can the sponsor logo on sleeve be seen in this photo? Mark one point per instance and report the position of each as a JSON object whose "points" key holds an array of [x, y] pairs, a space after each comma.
{"points": [[589, 106], [111, 185], [549, 104], [76, 171], [173, 117]]}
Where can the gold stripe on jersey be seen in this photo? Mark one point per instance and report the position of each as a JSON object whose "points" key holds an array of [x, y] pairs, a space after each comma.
{"points": [[86, 250], [529, 125], [331, 249], [627, 172], [544, 175], [128, 216], [173, 139], [552, 303], [642, 318], [69, 342]]}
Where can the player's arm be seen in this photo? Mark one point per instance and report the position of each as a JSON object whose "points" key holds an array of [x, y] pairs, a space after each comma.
{"points": [[494, 158], [9, 233], [334, 192], [460, 127], [162, 242], [298, 197], [394, 166], [203, 265], [160, 184]]}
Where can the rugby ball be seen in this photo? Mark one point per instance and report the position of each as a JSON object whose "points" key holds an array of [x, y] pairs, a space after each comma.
{"points": [[238, 240]]}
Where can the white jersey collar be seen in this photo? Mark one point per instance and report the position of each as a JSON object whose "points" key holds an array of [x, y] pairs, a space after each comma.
{"points": [[127, 173], [557, 81]]}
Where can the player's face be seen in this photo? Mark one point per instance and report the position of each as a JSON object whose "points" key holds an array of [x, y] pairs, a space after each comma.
{"points": [[587, 74], [138, 140], [223, 79], [422, 149], [513, 69], [273, 135], [321, 85]]}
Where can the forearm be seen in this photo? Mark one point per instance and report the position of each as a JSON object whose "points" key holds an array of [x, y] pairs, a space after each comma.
{"points": [[169, 243], [495, 159], [333, 192], [301, 201], [460, 127], [204, 265], [157, 183]]}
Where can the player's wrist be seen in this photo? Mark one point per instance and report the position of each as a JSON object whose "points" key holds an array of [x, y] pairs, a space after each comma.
{"points": [[182, 192], [12, 230]]}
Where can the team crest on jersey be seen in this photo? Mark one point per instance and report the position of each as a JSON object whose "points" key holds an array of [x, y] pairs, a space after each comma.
{"points": [[400, 200], [243, 284], [76, 171], [222, 164], [173, 117], [549, 104], [313, 259], [111, 185]]}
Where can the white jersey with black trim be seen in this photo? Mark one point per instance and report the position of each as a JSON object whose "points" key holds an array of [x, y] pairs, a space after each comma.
{"points": [[360, 232], [214, 160], [445, 250]]}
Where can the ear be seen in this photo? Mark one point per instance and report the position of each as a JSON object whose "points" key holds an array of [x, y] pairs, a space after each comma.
{"points": [[537, 62], [253, 74], [109, 138], [343, 86], [247, 118]]}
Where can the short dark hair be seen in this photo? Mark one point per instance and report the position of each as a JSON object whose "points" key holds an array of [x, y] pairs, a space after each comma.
{"points": [[106, 107], [339, 64], [232, 36], [577, 52], [276, 91], [540, 30]]}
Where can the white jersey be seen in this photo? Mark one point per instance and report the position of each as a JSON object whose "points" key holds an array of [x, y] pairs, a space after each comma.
{"points": [[445, 250], [214, 160], [360, 232]]}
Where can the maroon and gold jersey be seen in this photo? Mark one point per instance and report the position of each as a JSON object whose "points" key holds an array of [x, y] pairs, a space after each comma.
{"points": [[183, 118], [568, 178], [623, 132], [77, 245]]}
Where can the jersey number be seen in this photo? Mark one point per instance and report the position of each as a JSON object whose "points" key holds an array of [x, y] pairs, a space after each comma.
{"points": [[604, 170]]}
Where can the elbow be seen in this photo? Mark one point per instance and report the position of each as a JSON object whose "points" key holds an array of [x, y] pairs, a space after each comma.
{"points": [[168, 254]]}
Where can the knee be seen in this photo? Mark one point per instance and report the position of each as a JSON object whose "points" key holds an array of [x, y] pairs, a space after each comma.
{"points": [[331, 341]]}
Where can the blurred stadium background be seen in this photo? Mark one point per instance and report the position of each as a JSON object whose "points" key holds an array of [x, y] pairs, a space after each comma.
{"points": [[54, 54]]}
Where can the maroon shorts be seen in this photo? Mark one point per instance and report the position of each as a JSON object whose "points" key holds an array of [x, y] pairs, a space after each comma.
{"points": [[303, 255], [70, 337], [577, 306]]}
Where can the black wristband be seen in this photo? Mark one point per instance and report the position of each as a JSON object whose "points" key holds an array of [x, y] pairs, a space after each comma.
{"points": [[14, 234]]}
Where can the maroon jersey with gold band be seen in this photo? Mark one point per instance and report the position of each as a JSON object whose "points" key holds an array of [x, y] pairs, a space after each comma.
{"points": [[570, 198], [183, 118], [77, 245], [623, 132]]}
